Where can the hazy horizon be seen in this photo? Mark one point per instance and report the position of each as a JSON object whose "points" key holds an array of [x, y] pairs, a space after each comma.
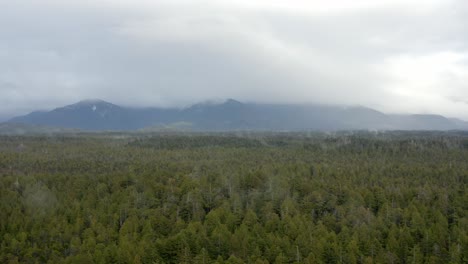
{"points": [[404, 57]]}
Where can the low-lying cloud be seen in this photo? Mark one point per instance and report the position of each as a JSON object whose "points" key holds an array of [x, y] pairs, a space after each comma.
{"points": [[395, 56]]}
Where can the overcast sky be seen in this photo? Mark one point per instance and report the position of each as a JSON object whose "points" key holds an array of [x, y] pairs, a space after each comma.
{"points": [[397, 56]]}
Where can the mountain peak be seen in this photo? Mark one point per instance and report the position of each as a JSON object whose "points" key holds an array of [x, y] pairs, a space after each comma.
{"points": [[97, 107], [92, 104], [231, 101]]}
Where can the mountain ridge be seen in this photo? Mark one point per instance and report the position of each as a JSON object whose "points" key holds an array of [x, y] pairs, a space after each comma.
{"points": [[97, 115]]}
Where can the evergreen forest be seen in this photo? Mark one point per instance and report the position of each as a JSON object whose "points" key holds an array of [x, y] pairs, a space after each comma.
{"points": [[347, 197]]}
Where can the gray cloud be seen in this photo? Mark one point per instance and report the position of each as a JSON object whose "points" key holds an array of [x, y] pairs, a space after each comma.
{"points": [[395, 56]]}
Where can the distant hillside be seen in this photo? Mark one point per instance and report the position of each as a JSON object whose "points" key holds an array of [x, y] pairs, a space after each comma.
{"points": [[98, 115]]}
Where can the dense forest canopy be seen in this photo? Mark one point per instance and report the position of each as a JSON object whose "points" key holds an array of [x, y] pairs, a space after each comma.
{"points": [[393, 197]]}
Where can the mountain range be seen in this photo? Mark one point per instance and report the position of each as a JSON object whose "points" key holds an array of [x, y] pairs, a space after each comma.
{"points": [[99, 115]]}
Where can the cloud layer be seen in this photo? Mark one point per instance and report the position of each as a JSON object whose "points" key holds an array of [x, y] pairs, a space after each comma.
{"points": [[405, 56]]}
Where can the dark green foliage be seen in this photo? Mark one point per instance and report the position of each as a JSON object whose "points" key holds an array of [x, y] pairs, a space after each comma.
{"points": [[192, 142], [222, 198]]}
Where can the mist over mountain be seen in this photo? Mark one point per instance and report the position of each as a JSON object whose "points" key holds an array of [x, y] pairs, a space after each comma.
{"points": [[99, 115]]}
